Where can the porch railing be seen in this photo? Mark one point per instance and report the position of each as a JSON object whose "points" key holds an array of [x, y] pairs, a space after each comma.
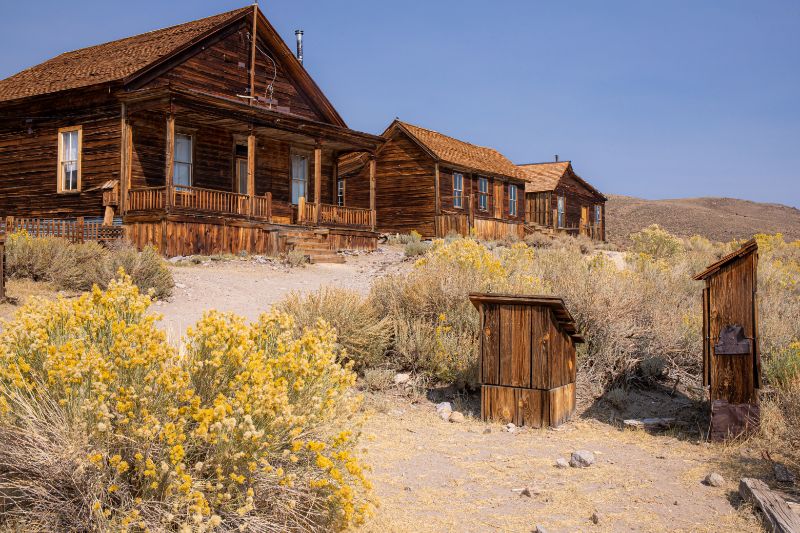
{"points": [[345, 216], [200, 200], [146, 199]]}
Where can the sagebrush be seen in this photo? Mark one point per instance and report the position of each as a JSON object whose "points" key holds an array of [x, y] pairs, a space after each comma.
{"points": [[105, 426]]}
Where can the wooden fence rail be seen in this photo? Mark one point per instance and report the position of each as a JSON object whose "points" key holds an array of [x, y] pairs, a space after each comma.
{"points": [[74, 230]]}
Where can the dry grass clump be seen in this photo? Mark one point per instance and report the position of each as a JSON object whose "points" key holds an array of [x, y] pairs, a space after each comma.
{"points": [[77, 267], [104, 426], [404, 238], [296, 258], [362, 333]]}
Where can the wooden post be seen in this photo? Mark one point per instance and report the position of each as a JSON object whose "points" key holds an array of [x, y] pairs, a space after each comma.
{"points": [[124, 160], [436, 199], [251, 171], [79, 229], [253, 40], [335, 181], [317, 181], [471, 206], [9, 225], [170, 156], [372, 168], [301, 209], [269, 207]]}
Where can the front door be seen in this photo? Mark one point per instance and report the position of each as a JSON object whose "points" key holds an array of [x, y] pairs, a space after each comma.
{"points": [[241, 176], [584, 219], [299, 177]]}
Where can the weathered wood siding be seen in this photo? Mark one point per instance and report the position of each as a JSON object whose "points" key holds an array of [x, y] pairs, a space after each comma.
{"points": [[731, 301], [527, 366], [404, 189], [29, 153], [223, 68]]}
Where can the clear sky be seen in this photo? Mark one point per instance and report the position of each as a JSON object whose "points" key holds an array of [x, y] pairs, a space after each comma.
{"points": [[658, 99]]}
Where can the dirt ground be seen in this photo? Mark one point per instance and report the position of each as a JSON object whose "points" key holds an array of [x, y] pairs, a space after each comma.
{"points": [[431, 475]]}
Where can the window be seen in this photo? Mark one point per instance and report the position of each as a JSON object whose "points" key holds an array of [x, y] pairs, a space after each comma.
{"points": [[69, 159], [182, 161], [241, 169], [512, 200], [483, 194], [458, 190], [340, 193], [598, 214], [562, 201], [299, 177]]}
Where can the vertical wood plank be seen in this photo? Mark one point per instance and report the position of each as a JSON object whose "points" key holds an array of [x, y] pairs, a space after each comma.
{"points": [[436, 192], [170, 157], [506, 337], [491, 340]]}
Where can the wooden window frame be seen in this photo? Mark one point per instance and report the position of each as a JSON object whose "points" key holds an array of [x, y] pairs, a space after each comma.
{"points": [[60, 170], [184, 132], [341, 191], [598, 214], [483, 196], [513, 199], [458, 193]]}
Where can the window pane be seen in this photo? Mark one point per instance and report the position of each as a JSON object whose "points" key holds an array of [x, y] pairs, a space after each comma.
{"points": [[183, 148], [182, 174], [70, 176], [69, 140]]}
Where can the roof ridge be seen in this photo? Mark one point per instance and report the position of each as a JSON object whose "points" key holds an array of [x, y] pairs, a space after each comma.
{"points": [[545, 163], [451, 137], [138, 35]]}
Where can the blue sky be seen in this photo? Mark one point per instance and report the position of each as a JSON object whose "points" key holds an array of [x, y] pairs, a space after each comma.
{"points": [[653, 99]]}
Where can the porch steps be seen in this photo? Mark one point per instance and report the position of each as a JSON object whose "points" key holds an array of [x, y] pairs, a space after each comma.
{"points": [[313, 244]]}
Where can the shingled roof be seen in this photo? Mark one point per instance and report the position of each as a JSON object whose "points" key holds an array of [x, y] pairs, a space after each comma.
{"points": [[460, 153], [542, 177], [111, 61]]}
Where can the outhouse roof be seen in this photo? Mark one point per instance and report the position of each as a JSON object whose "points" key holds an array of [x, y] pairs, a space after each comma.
{"points": [[562, 314], [747, 248]]}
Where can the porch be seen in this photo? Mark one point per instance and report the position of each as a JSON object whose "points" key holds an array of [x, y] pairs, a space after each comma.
{"points": [[214, 163]]}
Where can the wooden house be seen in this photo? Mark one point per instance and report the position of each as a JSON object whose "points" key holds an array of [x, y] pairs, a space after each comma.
{"points": [[557, 198], [527, 365], [436, 185], [205, 137]]}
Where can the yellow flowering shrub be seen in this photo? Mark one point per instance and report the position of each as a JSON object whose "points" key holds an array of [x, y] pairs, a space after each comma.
{"points": [[252, 426]]}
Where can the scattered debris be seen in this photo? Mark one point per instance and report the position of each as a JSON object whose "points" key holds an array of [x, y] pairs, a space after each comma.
{"points": [[581, 459], [649, 423], [562, 463], [443, 410], [778, 516], [456, 417], [402, 378], [510, 427], [487, 431], [714, 480], [595, 518], [539, 529]]}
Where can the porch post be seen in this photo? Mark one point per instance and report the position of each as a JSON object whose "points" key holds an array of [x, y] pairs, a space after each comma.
{"points": [[436, 199], [170, 157], [317, 181], [125, 161], [372, 191], [251, 171]]}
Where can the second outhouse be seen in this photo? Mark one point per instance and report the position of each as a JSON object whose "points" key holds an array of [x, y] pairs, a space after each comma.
{"points": [[527, 361]]}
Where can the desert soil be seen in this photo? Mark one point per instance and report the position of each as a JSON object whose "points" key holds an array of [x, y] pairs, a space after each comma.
{"points": [[431, 475]]}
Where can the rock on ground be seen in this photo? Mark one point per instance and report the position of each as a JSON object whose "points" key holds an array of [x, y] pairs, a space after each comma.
{"points": [[714, 480], [562, 463], [456, 417], [581, 459]]}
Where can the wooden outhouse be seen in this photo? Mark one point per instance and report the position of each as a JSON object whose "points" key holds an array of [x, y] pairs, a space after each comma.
{"points": [[731, 360], [527, 361]]}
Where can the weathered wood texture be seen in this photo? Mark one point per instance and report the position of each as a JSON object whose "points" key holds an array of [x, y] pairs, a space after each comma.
{"points": [[580, 203], [74, 230], [525, 347], [2, 268], [778, 517], [730, 300], [29, 154]]}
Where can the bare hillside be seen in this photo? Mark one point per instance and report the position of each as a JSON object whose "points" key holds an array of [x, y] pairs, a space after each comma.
{"points": [[719, 219]]}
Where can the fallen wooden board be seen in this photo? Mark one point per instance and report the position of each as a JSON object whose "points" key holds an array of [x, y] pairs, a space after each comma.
{"points": [[778, 516]]}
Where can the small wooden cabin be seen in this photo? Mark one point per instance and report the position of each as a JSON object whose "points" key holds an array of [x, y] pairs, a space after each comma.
{"points": [[205, 137], [557, 198], [436, 185], [731, 359], [527, 362]]}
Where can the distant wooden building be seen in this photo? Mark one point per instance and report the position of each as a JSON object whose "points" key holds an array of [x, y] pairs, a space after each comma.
{"points": [[436, 185], [557, 198], [205, 137]]}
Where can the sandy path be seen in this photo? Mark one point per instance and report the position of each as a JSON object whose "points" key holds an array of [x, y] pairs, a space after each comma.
{"points": [[249, 288], [434, 476]]}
